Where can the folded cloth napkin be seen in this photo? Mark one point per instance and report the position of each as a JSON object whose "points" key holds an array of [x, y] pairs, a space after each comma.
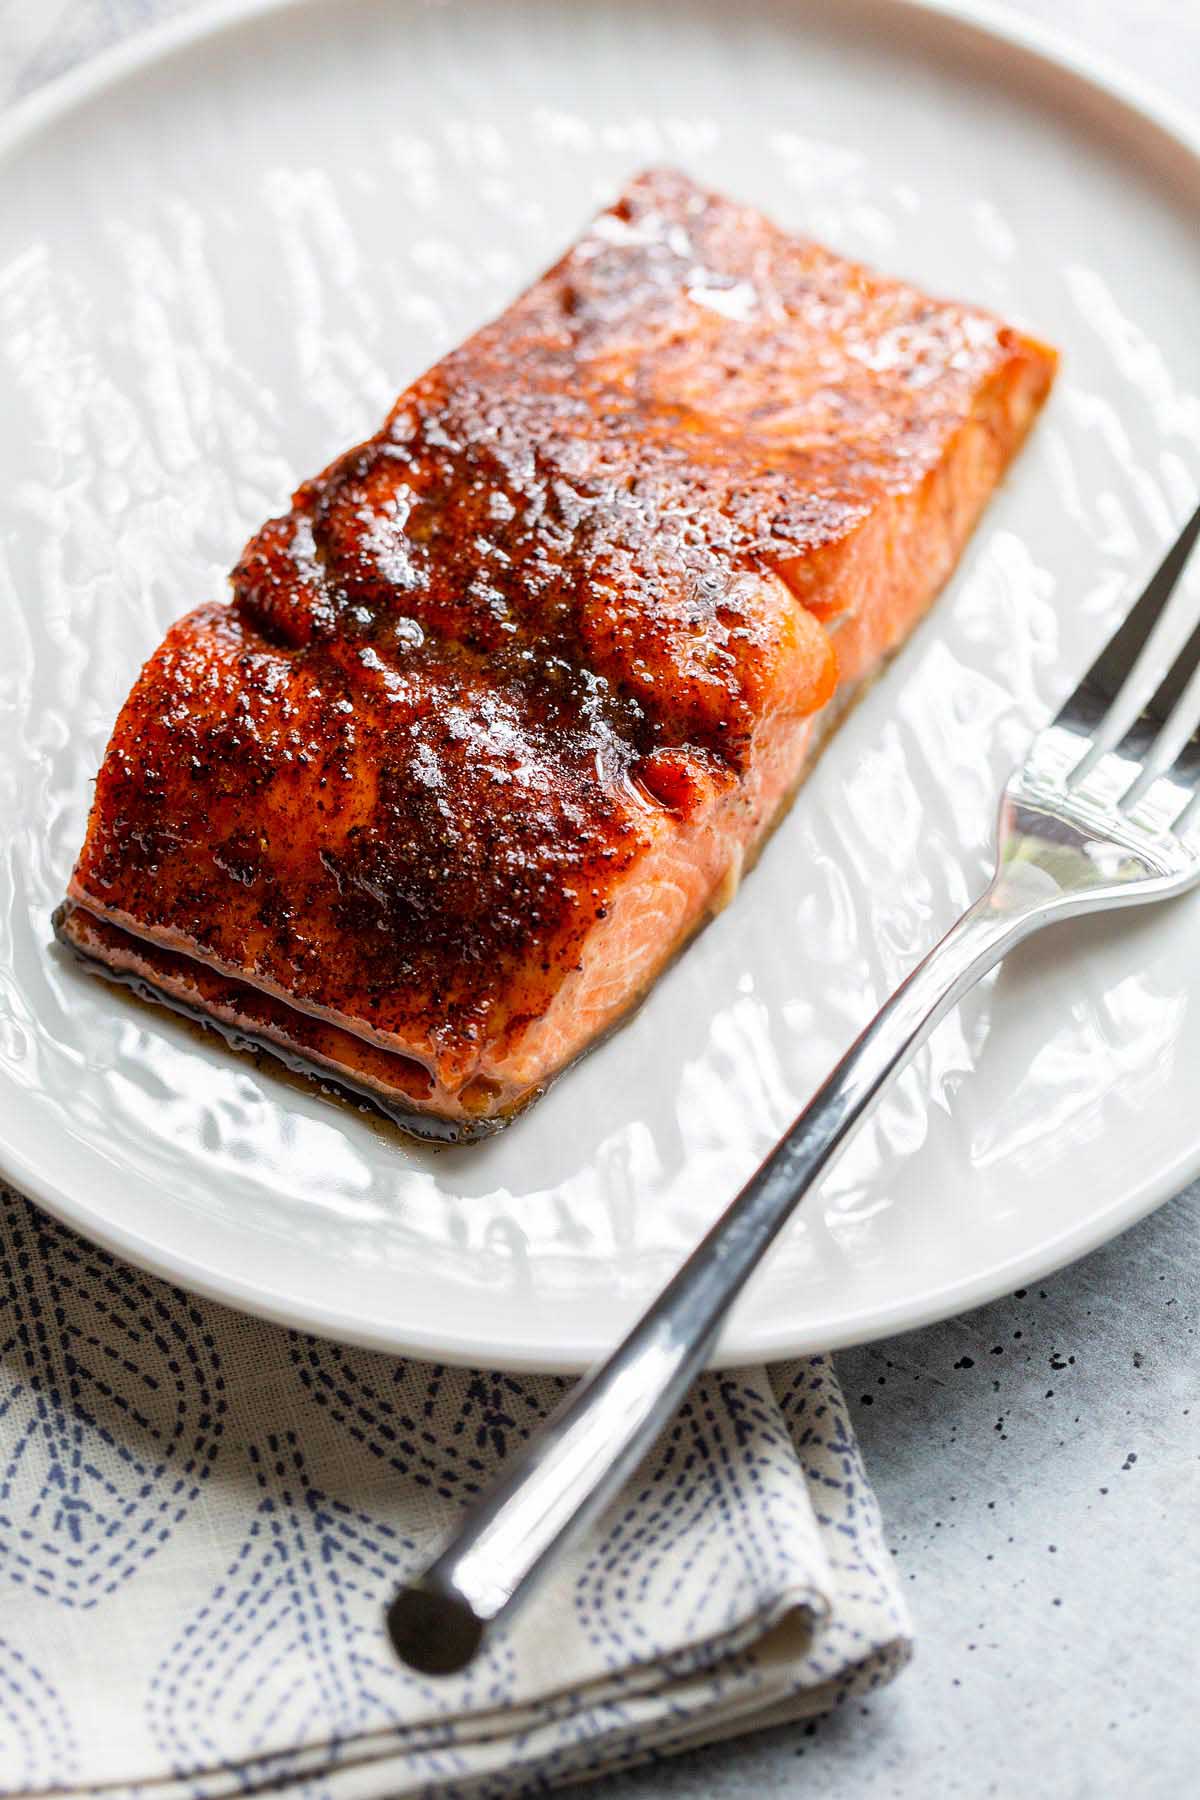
{"points": [[202, 1517]]}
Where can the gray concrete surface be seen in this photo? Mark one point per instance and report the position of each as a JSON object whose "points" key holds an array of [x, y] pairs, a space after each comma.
{"points": [[1037, 1460]]}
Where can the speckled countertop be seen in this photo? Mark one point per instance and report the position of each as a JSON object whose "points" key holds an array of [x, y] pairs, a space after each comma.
{"points": [[1037, 1461]]}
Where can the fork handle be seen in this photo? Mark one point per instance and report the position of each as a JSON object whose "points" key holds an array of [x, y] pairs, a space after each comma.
{"points": [[564, 1475]]}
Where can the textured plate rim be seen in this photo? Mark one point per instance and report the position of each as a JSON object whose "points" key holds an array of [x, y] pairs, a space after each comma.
{"points": [[992, 25]]}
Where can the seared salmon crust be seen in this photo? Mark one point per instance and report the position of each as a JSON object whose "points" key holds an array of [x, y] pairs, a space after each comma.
{"points": [[500, 707]]}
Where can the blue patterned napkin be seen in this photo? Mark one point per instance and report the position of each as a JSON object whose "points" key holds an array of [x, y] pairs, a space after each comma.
{"points": [[201, 1518]]}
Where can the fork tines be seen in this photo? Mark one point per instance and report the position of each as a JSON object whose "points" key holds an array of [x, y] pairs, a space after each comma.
{"points": [[1098, 696]]}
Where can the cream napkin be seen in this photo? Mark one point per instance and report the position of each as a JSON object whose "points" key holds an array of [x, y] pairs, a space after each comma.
{"points": [[201, 1518]]}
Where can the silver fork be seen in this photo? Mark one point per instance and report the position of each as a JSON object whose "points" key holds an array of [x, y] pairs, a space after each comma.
{"points": [[1085, 824]]}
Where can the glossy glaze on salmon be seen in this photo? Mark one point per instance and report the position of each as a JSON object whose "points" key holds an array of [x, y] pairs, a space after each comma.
{"points": [[501, 706]]}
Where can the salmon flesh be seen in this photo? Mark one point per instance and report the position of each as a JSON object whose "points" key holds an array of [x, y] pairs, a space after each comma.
{"points": [[501, 707]]}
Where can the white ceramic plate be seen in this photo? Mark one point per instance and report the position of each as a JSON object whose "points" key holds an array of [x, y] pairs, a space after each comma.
{"points": [[221, 253]]}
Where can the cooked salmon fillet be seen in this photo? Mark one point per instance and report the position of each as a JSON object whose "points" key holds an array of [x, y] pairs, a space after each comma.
{"points": [[501, 707]]}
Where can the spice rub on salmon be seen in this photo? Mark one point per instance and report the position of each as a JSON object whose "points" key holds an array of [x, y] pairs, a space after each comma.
{"points": [[499, 708]]}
